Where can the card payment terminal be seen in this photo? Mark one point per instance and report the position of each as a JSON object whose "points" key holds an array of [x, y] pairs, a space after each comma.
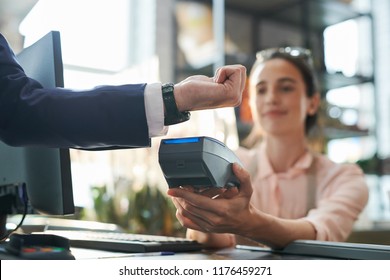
{"points": [[197, 161]]}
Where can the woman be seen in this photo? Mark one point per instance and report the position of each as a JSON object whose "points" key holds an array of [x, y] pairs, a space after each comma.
{"points": [[287, 191]]}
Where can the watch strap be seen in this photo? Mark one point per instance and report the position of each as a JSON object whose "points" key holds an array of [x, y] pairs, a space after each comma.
{"points": [[172, 114]]}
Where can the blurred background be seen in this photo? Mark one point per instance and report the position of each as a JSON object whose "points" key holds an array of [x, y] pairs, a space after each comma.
{"points": [[130, 41]]}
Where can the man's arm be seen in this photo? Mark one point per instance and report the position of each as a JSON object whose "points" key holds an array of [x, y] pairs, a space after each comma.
{"points": [[101, 117]]}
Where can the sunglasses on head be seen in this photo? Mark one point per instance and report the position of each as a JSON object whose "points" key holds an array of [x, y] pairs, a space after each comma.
{"points": [[293, 52]]}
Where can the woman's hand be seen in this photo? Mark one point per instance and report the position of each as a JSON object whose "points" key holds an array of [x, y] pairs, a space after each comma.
{"points": [[225, 212], [213, 221]]}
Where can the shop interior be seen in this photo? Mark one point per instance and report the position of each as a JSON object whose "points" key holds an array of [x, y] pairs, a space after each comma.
{"points": [[349, 40]]}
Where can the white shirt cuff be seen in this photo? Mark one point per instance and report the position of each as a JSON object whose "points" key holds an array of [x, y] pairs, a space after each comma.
{"points": [[154, 109]]}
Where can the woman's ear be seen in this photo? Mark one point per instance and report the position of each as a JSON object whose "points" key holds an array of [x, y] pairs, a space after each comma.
{"points": [[314, 103]]}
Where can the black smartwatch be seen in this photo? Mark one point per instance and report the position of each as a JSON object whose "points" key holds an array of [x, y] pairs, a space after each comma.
{"points": [[172, 114]]}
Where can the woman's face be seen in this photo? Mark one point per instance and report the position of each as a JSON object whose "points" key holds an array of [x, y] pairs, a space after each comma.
{"points": [[280, 98]]}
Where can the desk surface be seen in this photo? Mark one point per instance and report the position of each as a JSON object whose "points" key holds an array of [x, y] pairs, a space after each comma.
{"points": [[224, 254], [321, 252], [298, 250]]}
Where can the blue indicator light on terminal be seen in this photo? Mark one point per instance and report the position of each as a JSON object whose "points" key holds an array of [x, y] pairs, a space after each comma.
{"points": [[182, 140]]}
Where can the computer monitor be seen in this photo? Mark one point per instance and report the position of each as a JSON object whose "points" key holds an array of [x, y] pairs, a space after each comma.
{"points": [[46, 172]]}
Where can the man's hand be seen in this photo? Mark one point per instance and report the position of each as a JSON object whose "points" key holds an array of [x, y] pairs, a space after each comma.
{"points": [[201, 92]]}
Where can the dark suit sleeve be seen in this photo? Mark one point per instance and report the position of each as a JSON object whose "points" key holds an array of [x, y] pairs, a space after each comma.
{"points": [[99, 118]]}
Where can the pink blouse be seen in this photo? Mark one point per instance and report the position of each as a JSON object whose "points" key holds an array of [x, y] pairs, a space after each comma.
{"points": [[331, 199]]}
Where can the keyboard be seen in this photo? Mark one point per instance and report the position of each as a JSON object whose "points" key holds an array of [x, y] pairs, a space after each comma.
{"points": [[126, 242]]}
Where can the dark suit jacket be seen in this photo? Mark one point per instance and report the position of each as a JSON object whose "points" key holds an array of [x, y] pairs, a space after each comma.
{"points": [[103, 117]]}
